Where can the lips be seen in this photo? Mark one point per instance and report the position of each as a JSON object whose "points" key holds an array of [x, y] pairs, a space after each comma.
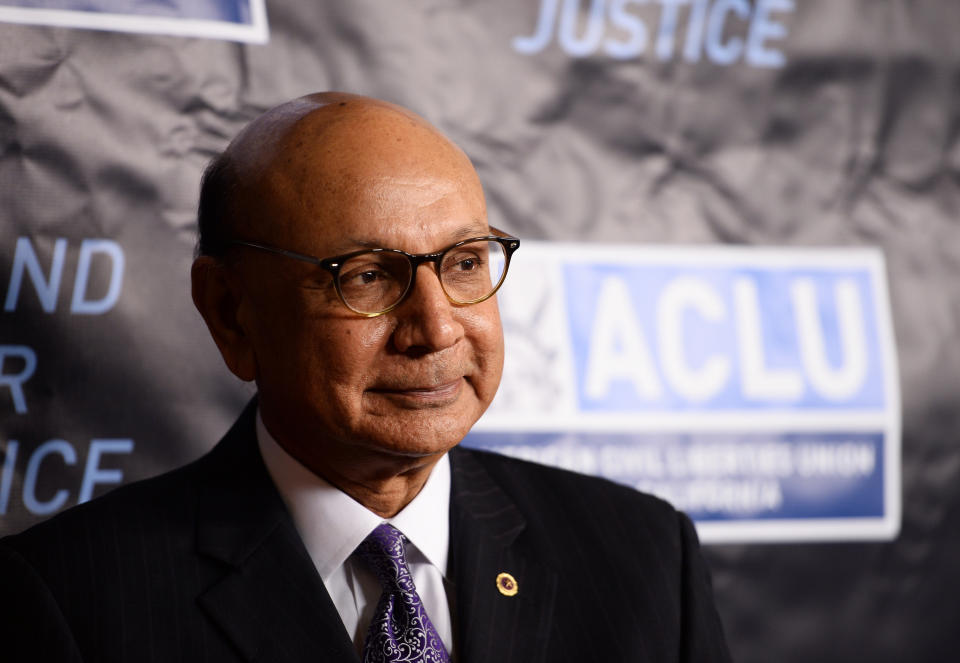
{"points": [[430, 395]]}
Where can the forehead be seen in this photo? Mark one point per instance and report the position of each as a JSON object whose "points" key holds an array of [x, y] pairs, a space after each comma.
{"points": [[374, 176]]}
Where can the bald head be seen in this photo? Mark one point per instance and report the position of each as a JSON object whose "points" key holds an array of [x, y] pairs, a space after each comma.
{"points": [[313, 155], [369, 366]]}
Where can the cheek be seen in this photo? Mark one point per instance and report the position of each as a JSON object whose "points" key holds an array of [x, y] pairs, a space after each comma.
{"points": [[486, 335], [346, 352]]}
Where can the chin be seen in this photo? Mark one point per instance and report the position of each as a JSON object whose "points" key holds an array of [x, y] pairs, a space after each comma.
{"points": [[426, 434]]}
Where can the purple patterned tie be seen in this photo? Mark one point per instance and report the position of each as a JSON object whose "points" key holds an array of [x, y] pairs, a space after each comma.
{"points": [[400, 629]]}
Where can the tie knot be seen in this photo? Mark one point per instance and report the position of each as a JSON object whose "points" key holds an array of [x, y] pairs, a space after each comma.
{"points": [[383, 552]]}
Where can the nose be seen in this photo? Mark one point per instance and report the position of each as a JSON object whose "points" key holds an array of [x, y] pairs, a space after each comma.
{"points": [[426, 320]]}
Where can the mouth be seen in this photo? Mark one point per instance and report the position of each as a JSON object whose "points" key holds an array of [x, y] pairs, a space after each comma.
{"points": [[422, 396]]}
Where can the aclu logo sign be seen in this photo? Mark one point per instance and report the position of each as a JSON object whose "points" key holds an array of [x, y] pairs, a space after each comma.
{"points": [[722, 32], [723, 338], [234, 20], [756, 389]]}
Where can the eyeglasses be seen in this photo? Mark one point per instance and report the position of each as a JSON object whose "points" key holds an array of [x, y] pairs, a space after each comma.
{"points": [[375, 281]]}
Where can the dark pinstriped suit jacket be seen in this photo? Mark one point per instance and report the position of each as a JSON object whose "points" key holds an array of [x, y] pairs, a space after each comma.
{"points": [[204, 564]]}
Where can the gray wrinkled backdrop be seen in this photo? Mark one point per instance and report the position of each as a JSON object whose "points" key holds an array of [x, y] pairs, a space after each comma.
{"points": [[854, 141]]}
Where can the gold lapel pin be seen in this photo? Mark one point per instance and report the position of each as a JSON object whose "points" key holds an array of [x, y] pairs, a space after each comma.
{"points": [[507, 584]]}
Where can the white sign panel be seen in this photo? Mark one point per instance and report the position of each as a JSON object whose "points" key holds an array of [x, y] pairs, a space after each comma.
{"points": [[234, 20], [754, 388]]}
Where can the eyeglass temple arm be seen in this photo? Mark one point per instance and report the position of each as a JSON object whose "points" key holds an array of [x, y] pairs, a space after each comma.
{"points": [[284, 252]]}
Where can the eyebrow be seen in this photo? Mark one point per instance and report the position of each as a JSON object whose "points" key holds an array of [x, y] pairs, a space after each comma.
{"points": [[471, 230], [475, 229]]}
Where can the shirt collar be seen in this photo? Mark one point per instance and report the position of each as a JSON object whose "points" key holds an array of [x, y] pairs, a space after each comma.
{"points": [[332, 524]]}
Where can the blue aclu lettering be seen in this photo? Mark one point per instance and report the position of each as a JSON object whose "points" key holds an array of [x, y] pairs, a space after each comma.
{"points": [[721, 31], [669, 338]]}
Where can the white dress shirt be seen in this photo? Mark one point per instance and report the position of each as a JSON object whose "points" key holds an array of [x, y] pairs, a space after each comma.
{"points": [[332, 524]]}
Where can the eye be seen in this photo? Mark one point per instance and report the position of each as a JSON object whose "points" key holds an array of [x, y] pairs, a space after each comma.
{"points": [[462, 261], [363, 276], [374, 273]]}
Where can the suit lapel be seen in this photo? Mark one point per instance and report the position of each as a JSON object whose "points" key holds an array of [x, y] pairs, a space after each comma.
{"points": [[487, 534], [269, 602]]}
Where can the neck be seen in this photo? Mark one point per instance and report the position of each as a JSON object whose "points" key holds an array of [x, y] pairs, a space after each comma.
{"points": [[387, 491], [381, 480]]}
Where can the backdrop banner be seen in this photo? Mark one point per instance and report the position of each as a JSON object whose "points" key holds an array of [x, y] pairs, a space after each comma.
{"points": [[736, 288]]}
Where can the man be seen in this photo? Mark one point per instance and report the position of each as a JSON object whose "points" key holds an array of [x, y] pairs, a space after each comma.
{"points": [[347, 267]]}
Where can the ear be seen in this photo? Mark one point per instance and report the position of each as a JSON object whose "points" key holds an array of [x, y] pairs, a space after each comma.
{"points": [[218, 298]]}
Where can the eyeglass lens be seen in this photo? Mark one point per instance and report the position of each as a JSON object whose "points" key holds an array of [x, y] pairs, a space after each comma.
{"points": [[373, 282]]}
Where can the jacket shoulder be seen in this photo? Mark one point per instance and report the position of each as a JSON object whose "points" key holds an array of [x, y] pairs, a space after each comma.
{"points": [[559, 499], [559, 479], [162, 505], [161, 502]]}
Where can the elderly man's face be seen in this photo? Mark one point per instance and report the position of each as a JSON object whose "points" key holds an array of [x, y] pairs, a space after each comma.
{"points": [[412, 381]]}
